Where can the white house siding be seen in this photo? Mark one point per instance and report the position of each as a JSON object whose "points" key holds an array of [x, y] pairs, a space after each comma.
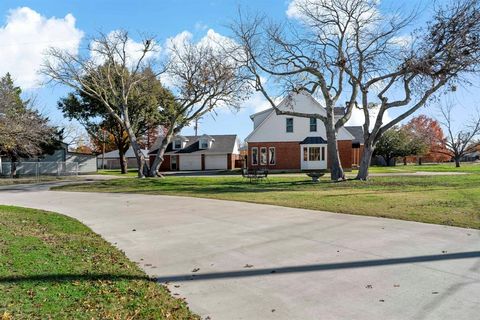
{"points": [[273, 128], [190, 162], [215, 162]]}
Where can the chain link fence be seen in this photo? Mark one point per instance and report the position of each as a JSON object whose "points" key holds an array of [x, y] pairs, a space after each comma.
{"points": [[38, 169]]}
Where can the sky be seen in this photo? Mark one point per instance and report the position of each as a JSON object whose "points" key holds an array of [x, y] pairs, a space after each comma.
{"points": [[28, 28]]}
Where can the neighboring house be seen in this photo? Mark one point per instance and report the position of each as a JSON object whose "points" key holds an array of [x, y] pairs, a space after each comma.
{"points": [[282, 142], [206, 152], [61, 159], [112, 159]]}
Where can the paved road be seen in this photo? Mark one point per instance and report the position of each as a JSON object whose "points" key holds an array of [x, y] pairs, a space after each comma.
{"points": [[235, 260]]}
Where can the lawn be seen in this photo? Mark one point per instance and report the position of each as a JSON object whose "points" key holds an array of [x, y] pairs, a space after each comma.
{"points": [[449, 200], [444, 167], [27, 180], [54, 267]]}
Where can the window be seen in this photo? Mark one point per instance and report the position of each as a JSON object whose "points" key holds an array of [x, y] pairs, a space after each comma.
{"points": [[254, 156], [177, 144], [289, 124], [203, 144], [323, 153], [173, 162], [263, 156], [271, 156], [314, 154], [305, 154], [313, 125]]}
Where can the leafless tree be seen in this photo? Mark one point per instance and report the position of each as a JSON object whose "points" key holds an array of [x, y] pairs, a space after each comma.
{"points": [[462, 142], [202, 77], [324, 54], [119, 65], [347, 50]]}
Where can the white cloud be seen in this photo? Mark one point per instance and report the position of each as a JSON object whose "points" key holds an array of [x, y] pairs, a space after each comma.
{"points": [[24, 39], [358, 117]]}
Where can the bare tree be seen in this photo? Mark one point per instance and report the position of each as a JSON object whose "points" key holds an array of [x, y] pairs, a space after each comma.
{"points": [[114, 83], [439, 57], [325, 55], [202, 78], [462, 142], [348, 50]]}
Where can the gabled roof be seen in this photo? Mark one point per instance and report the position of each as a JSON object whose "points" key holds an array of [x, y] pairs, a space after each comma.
{"points": [[357, 133], [261, 112], [222, 144], [314, 140]]}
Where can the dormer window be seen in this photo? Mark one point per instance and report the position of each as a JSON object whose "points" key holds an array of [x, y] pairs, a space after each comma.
{"points": [[177, 144], [204, 144]]}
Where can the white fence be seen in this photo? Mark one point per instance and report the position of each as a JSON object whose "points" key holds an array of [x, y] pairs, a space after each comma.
{"points": [[36, 169]]}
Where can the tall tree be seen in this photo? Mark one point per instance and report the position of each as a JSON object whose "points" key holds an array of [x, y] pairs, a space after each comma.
{"points": [[429, 132], [203, 77], [24, 132], [114, 83], [323, 54], [460, 143], [349, 50], [143, 113]]}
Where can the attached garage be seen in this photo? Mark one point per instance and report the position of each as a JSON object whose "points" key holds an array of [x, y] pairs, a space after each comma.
{"points": [[190, 162], [216, 162]]}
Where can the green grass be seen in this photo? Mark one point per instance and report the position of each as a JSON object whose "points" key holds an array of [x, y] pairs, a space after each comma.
{"points": [[448, 200], [444, 167], [27, 180], [117, 172], [53, 267]]}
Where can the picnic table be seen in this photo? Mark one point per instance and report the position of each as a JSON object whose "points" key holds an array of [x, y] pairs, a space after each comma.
{"points": [[256, 174]]}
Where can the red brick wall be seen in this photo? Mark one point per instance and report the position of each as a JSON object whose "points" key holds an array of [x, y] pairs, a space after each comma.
{"points": [[287, 154], [345, 151]]}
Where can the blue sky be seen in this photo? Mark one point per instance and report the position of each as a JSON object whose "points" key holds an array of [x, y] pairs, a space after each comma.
{"points": [[164, 19]]}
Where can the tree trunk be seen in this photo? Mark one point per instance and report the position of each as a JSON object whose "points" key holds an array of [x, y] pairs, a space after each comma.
{"points": [[13, 168], [404, 161], [142, 164], [123, 161], [365, 162], [457, 162], [419, 161], [336, 170], [159, 156]]}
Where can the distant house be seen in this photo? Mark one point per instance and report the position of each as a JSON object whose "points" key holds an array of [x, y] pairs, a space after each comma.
{"points": [[59, 160], [195, 153], [112, 159], [283, 142]]}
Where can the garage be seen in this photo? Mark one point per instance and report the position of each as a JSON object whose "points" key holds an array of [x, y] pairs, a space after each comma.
{"points": [[216, 162], [190, 162]]}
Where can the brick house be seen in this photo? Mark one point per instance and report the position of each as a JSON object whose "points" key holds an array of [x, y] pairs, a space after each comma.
{"points": [[196, 153], [282, 142]]}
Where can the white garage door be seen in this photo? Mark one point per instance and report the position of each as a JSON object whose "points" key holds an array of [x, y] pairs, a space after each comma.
{"points": [[215, 162], [190, 162]]}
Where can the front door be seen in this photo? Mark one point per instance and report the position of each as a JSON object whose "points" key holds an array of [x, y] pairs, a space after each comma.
{"points": [[314, 156]]}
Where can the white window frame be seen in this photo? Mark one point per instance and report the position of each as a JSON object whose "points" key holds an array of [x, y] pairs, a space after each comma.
{"points": [[286, 125], [270, 156], [263, 163], [204, 141], [175, 144], [256, 156], [313, 124]]}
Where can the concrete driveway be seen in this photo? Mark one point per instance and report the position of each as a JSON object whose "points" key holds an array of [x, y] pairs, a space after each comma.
{"points": [[235, 260]]}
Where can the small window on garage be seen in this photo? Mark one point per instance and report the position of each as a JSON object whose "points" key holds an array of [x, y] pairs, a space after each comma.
{"points": [[177, 144], [203, 144], [271, 156], [254, 156], [263, 156]]}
